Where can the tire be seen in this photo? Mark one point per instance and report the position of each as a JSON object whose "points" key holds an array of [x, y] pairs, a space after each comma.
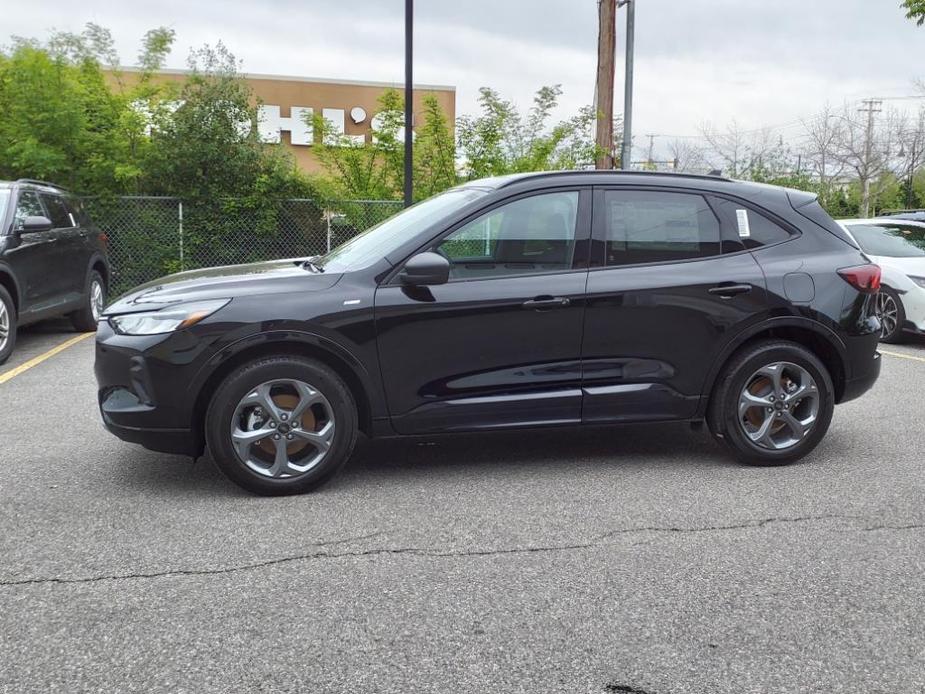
{"points": [[892, 315], [7, 325], [240, 404], [757, 367], [86, 318]]}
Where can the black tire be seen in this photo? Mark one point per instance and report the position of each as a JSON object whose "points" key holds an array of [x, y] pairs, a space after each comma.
{"points": [[84, 320], [220, 418], [723, 415], [7, 309], [895, 334]]}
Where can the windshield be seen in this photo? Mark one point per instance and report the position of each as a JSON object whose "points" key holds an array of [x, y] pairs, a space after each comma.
{"points": [[900, 241], [366, 248], [4, 200]]}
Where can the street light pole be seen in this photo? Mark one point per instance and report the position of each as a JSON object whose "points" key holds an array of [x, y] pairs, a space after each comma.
{"points": [[626, 156], [409, 101]]}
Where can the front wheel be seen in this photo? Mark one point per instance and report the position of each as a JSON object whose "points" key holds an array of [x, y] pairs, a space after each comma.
{"points": [[281, 425], [773, 403], [7, 325]]}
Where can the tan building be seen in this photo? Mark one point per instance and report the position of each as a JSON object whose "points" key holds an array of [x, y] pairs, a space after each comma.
{"points": [[349, 105]]}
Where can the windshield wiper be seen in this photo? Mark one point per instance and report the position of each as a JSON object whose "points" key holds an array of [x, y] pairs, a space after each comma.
{"points": [[313, 266]]}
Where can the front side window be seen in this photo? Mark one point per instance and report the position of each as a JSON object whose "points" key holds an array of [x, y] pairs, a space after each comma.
{"points": [[28, 205], [530, 235], [653, 227], [890, 241], [58, 213]]}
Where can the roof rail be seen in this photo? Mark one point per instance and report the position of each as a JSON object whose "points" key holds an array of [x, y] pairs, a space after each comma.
{"points": [[36, 182], [619, 172]]}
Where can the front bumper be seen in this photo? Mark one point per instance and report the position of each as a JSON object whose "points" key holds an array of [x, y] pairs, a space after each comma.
{"points": [[143, 390]]}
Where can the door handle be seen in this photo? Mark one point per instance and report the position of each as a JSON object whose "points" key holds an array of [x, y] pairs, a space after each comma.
{"points": [[544, 303], [727, 291]]}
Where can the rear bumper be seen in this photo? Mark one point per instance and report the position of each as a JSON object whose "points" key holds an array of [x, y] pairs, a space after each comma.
{"points": [[861, 383]]}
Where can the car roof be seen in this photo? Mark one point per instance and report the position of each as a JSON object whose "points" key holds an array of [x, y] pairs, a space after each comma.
{"points": [[703, 182], [33, 184]]}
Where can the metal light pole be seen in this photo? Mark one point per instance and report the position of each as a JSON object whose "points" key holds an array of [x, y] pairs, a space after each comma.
{"points": [[626, 156], [409, 101]]}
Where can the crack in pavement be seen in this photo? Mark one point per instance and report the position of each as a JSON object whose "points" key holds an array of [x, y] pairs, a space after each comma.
{"points": [[424, 552]]}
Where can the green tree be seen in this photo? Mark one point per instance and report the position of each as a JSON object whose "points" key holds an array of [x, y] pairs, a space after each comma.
{"points": [[500, 140], [61, 121], [915, 9], [374, 170]]}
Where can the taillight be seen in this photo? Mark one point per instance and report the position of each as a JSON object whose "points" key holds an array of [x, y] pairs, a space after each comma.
{"points": [[104, 239], [864, 278]]}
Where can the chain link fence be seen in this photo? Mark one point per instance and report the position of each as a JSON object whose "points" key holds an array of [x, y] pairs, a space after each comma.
{"points": [[150, 237]]}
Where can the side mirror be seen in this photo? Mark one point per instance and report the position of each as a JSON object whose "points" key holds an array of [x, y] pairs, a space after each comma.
{"points": [[37, 223], [426, 269]]}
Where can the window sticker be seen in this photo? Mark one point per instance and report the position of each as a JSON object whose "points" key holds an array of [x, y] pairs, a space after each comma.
{"points": [[745, 231]]}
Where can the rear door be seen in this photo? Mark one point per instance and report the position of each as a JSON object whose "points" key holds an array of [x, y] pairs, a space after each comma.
{"points": [[669, 287], [499, 345], [70, 254]]}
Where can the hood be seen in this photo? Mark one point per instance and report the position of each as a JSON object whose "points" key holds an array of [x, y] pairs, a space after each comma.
{"points": [[226, 282]]}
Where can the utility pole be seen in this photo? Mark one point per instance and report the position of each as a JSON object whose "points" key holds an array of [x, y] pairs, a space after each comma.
{"points": [[626, 155], [409, 102], [606, 49], [871, 108], [651, 156]]}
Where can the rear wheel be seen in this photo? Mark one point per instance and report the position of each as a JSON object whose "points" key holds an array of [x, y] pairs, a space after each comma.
{"points": [[892, 315], [773, 403], [7, 325], [281, 425], [94, 301]]}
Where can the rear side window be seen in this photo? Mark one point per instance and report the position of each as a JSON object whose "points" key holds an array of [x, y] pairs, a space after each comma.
{"points": [[58, 213], [652, 227], [747, 228], [27, 205], [76, 209]]}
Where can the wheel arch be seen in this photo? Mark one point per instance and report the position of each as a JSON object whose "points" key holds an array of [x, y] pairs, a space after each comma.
{"points": [[98, 263], [343, 364], [8, 282], [821, 341]]}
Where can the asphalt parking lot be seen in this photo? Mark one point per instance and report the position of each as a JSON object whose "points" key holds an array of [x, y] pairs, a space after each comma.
{"points": [[604, 560]]}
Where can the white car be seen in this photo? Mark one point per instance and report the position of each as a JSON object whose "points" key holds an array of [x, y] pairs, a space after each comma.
{"points": [[898, 247]]}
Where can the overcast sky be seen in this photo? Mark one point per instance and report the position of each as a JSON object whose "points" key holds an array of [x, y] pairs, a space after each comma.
{"points": [[757, 61]]}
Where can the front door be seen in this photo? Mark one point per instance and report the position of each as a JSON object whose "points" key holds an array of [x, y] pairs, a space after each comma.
{"points": [[499, 345], [34, 258], [669, 287]]}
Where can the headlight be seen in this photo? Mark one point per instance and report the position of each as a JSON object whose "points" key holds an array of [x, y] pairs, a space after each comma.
{"points": [[167, 319], [918, 280]]}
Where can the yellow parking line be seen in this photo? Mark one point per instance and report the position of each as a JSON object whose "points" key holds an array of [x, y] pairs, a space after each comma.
{"points": [[35, 361], [902, 356]]}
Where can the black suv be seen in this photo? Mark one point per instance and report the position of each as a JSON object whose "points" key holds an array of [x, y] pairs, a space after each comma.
{"points": [[531, 300], [53, 260]]}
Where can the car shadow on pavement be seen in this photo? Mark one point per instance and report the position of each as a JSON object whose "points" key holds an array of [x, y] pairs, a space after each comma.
{"points": [[399, 459]]}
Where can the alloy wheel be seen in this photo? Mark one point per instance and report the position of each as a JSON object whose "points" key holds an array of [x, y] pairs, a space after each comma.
{"points": [[888, 313], [778, 406], [282, 428], [4, 326], [96, 299]]}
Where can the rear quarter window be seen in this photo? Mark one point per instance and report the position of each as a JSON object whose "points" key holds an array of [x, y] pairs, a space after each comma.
{"points": [[746, 227]]}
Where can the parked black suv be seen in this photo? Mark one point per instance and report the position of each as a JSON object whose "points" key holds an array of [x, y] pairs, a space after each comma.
{"points": [[52, 260], [531, 300]]}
